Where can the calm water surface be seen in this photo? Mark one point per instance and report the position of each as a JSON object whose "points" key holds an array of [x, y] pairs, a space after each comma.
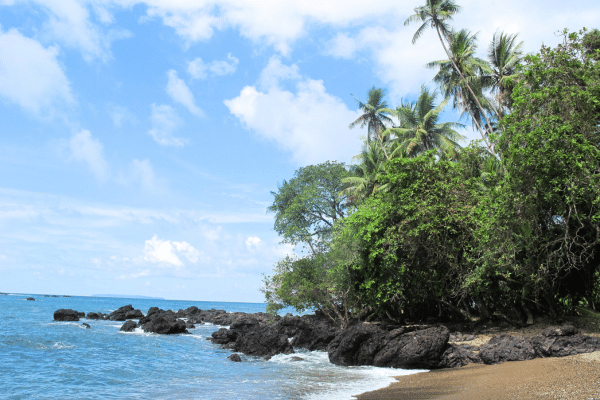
{"points": [[40, 358]]}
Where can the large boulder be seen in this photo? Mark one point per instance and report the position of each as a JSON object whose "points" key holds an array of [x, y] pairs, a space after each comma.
{"points": [[414, 350], [308, 332], [66, 315], [224, 336], [262, 341], [163, 325], [125, 313], [356, 345], [507, 348], [128, 326], [367, 344], [93, 315], [561, 346]]}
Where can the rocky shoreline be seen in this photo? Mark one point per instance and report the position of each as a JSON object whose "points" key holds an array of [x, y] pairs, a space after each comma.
{"points": [[378, 344]]}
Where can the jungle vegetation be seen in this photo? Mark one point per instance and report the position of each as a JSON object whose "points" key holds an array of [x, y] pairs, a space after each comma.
{"points": [[420, 227]]}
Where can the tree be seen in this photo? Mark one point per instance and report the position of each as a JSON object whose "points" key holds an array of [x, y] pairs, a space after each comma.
{"points": [[307, 206], [364, 180], [591, 44], [543, 242], [415, 240], [436, 14], [463, 45], [505, 56], [419, 129], [373, 117]]}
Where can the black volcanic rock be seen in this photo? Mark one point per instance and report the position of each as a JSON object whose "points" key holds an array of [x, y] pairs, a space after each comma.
{"points": [[30, 299], [235, 357], [128, 326], [263, 341], [561, 346], [165, 324], [458, 355], [66, 315], [308, 332], [507, 348], [125, 313], [86, 326], [367, 344]]}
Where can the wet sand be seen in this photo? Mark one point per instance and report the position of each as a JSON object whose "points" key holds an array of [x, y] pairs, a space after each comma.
{"points": [[574, 377]]}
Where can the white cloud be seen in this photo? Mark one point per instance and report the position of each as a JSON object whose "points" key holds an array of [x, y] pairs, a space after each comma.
{"points": [[30, 74], [89, 150], [168, 252], [275, 72], [253, 242], [164, 122], [198, 69], [181, 93], [310, 123], [341, 46], [139, 172]]}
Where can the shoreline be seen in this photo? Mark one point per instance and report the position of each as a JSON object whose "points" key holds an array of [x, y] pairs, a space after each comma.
{"points": [[571, 377]]}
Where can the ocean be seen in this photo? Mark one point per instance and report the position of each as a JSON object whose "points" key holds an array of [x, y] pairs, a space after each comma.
{"points": [[44, 359]]}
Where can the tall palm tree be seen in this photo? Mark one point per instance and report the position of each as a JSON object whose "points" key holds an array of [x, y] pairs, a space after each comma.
{"points": [[505, 55], [367, 173], [475, 71], [373, 117], [419, 129], [436, 14]]}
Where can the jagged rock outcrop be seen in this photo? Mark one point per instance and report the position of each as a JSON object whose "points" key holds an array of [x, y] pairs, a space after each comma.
{"points": [[459, 355], [93, 315], [503, 348], [235, 357], [164, 324]]}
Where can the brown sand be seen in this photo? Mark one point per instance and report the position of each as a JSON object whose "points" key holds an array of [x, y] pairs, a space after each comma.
{"points": [[574, 377]]}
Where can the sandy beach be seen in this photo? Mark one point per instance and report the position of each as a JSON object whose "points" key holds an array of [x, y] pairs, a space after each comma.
{"points": [[573, 377]]}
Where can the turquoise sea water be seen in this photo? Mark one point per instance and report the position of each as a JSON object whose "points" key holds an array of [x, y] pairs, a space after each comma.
{"points": [[44, 359]]}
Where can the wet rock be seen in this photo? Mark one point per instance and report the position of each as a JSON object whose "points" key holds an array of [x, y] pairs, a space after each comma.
{"points": [[263, 341], [128, 326], [458, 355], [30, 299], [296, 358], [99, 316], [165, 325], [565, 330], [235, 357], [367, 344], [308, 332], [86, 326], [125, 313], [66, 315], [507, 348], [356, 345], [189, 325], [414, 350], [224, 336]]}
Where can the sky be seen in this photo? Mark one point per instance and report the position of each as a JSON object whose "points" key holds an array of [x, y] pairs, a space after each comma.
{"points": [[141, 140]]}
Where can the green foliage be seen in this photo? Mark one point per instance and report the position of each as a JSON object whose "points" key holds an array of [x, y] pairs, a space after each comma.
{"points": [[416, 238], [307, 206], [591, 44], [544, 239]]}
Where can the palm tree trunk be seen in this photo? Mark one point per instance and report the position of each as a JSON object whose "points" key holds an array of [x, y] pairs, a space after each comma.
{"points": [[491, 130]]}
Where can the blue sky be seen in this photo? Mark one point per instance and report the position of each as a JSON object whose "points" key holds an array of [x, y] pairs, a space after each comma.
{"points": [[140, 140]]}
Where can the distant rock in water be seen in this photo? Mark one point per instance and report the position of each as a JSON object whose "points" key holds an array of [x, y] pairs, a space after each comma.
{"points": [[93, 315], [235, 357], [129, 326], [86, 326], [30, 299], [164, 324], [67, 315], [125, 313]]}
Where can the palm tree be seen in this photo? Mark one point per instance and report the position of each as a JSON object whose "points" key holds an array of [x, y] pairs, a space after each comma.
{"points": [[419, 129], [365, 181], [505, 55], [475, 71], [436, 14], [373, 117]]}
